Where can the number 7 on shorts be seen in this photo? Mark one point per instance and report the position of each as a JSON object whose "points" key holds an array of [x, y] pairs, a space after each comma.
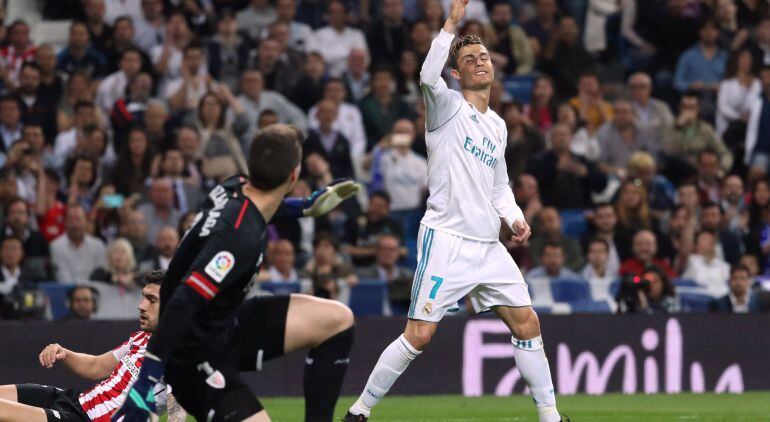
{"points": [[434, 290]]}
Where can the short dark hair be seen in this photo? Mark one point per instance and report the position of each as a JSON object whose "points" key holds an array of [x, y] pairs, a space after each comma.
{"points": [[13, 201], [273, 155], [9, 99], [30, 65], [72, 290], [739, 267], [155, 277], [129, 50], [711, 204], [600, 241], [123, 18], [462, 41], [552, 243], [193, 45], [325, 237], [52, 175], [83, 104], [12, 238], [707, 151], [380, 194]]}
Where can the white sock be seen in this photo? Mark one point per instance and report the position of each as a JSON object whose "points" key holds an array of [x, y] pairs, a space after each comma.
{"points": [[533, 366], [393, 362]]}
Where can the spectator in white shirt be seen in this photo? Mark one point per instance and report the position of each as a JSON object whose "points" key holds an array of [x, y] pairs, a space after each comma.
{"points": [[285, 11], [150, 29], [113, 87], [11, 256], [596, 271], [160, 211], [165, 243], [84, 116], [255, 17], [185, 92], [281, 269], [255, 99], [357, 76], [336, 41], [168, 58], [348, 122], [552, 268], [705, 268], [736, 91], [76, 254], [404, 173], [10, 122]]}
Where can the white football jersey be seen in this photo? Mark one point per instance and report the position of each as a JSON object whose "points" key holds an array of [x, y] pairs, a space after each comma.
{"points": [[467, 176]]}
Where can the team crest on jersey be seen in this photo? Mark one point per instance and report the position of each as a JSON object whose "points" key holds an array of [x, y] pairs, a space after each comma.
{"points": [[214, 378], [427, 309], [222, 263]]}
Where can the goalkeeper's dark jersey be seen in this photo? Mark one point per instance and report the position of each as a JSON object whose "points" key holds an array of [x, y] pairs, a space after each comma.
{"points": [[217, 258]]}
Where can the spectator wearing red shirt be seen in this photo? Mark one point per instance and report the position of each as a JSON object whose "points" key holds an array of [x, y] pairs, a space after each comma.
{"points": [[645, 246], [49, 209], [18, 51]]}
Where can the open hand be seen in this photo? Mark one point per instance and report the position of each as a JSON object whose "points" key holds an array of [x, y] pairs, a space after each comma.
{"points": [[456, 13]]}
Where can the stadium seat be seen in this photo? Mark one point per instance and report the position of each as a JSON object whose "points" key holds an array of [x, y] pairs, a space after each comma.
{"points": [[573, 223], [593, 307], [280, 288], [368, 297], [694, 302], [683, 282], [571, 291], [520, 87], [410, 260], [57, 298], [615, 288]]}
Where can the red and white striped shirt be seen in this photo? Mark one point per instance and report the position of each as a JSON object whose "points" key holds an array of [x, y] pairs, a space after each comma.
{"points": [[104, 398]]}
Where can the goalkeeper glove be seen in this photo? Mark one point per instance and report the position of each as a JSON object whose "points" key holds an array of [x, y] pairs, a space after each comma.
{"points": [[321, 201], [140, 401]]}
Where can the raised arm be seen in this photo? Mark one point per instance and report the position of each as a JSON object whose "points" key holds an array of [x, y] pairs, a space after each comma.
{"points": [[440, 102]]}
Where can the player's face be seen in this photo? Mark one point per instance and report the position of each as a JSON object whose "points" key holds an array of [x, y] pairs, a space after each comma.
{"points": [[149, 307], [474, 67]]}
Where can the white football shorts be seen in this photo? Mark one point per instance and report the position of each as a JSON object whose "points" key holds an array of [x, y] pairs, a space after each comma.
{"points": [[450, 267]]}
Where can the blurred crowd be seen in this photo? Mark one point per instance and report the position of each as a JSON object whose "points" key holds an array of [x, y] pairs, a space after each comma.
{"points": [[638, 142]]}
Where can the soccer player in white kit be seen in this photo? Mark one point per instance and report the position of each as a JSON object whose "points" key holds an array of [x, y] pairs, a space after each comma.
{"points": [[458, 248]]}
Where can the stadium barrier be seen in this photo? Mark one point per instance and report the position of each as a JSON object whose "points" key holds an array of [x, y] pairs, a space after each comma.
{"points": [[588, 354]]}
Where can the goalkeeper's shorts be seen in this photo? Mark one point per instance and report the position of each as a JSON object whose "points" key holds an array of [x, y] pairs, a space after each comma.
{"points": [[212, 389]]}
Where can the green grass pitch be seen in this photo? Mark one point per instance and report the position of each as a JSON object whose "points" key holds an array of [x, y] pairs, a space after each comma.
{"points": [[611, 407], [754, 406]]}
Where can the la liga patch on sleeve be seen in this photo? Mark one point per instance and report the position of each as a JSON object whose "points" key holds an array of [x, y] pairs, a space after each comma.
{"points": [[221, 264]]}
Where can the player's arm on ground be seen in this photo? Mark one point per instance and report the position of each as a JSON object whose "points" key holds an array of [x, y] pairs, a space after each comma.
{"points": [[226, 256], [81, 364], [441, 103], [175, 411]]}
